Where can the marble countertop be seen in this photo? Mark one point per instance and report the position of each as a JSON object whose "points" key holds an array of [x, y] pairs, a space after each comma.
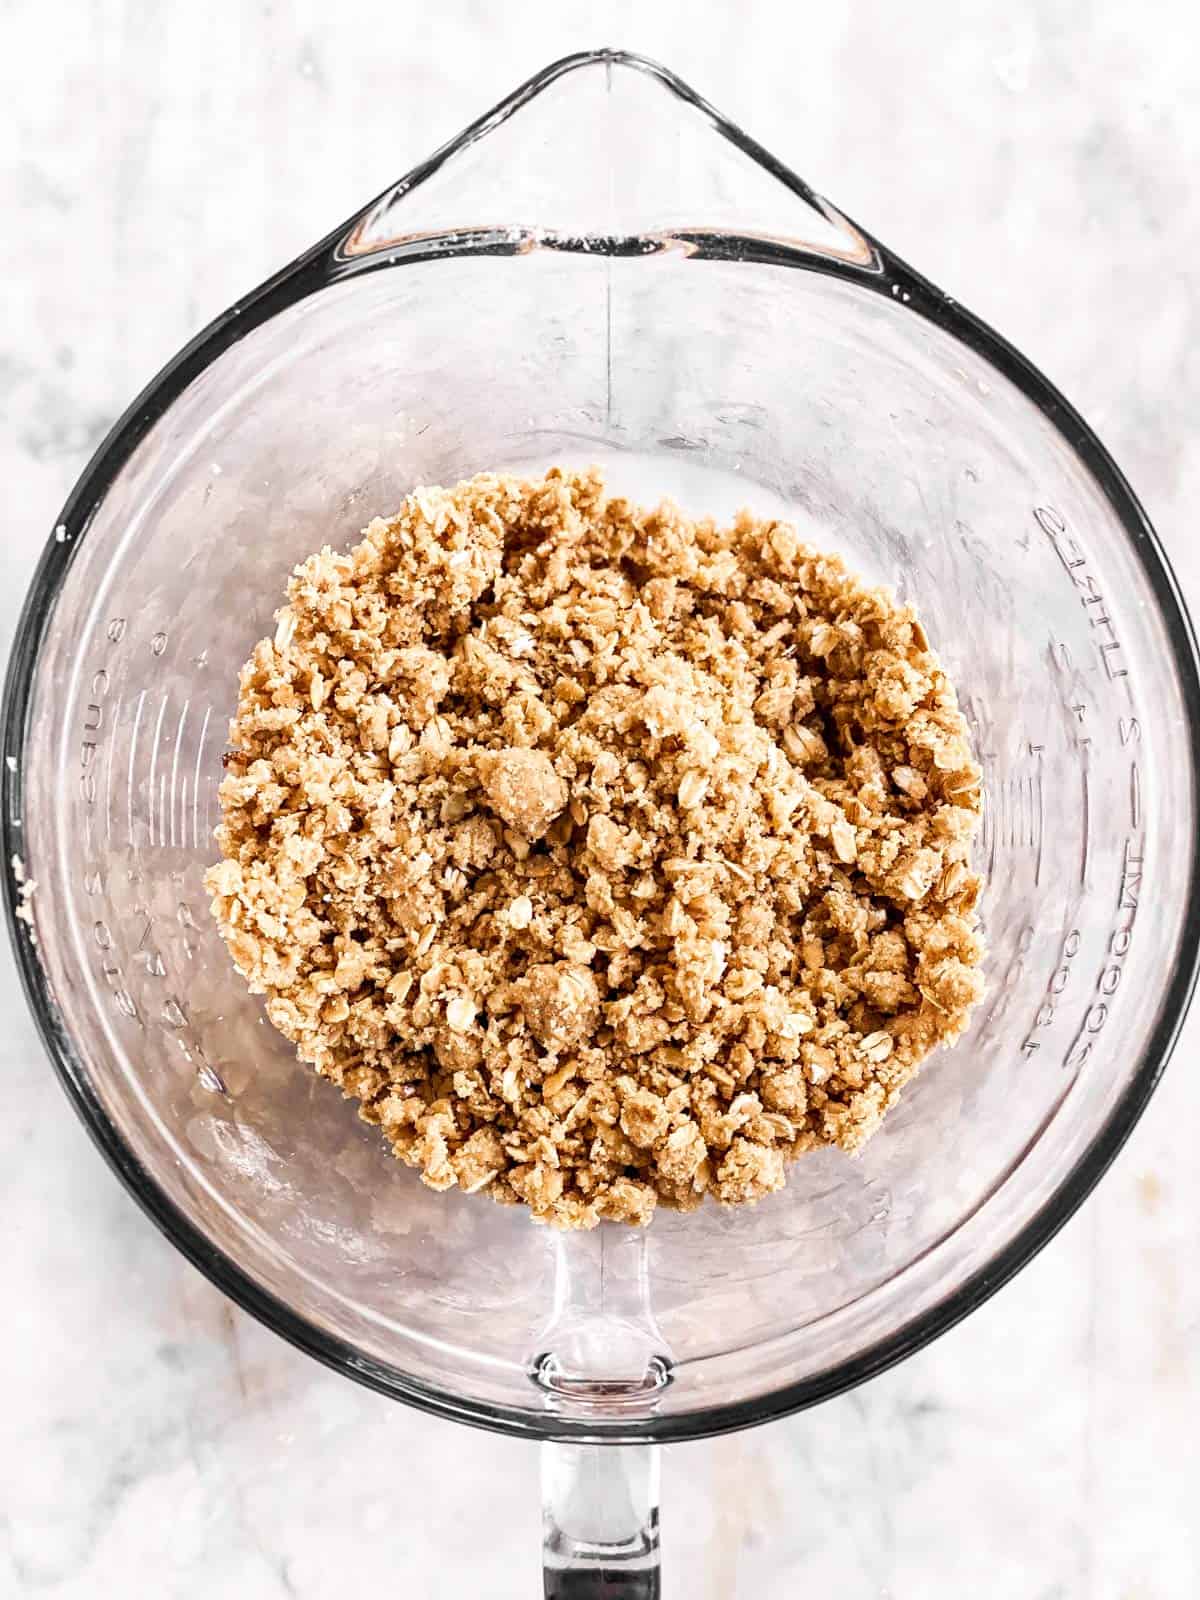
{"points": [[155, 161]]}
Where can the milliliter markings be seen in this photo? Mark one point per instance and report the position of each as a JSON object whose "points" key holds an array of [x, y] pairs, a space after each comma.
{"points": [[1015, 820], [1130, 730], [155, 743], [133, 739], [196, 778], [173, 787]]}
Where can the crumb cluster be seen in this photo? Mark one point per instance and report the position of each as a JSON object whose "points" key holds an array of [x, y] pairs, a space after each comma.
{"points": [[607, 857]]}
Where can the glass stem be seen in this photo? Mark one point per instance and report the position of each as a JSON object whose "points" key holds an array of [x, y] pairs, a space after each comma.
{"points": [[600, 1522]]}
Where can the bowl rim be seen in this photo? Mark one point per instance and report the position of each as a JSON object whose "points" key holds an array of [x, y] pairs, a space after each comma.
{"points": [[325, 263]]}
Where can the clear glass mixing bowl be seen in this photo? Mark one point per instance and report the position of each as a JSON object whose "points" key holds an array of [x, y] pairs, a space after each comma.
{"points": [[604, 269]]}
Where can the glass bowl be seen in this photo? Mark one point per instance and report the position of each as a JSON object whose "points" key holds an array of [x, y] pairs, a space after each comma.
{"points": [[602, 269]]}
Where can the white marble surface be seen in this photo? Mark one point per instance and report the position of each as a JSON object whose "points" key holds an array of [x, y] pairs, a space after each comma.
{"points": [[1038, 160]]}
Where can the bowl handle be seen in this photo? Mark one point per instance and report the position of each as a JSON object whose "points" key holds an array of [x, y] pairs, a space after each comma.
{"points": [[600, 1522]]}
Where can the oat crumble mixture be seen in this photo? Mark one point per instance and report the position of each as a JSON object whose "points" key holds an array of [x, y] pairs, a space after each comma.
{"points": [[608, 858]]}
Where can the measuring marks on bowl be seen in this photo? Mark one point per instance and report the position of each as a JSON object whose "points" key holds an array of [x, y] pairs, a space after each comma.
{"points": [[1065, 824], [148, 765], [148, 772], [1015, 817]]}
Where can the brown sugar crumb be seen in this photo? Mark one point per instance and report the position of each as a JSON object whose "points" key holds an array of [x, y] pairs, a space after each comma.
{"points": [[522, 787], [561, 1004], [607, 857]]}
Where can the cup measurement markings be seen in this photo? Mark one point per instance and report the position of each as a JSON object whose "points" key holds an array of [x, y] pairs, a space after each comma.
{"points": [[1075, 563]]}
